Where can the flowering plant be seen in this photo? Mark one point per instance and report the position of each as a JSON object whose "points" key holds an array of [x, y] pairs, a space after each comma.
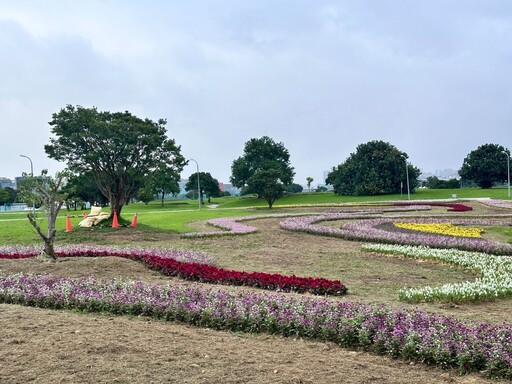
{"points": [[495, 280], [193, 265], [412, 335], [374, 230], [441, 228]]}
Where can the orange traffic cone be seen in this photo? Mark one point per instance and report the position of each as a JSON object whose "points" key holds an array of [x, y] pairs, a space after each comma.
{"points": [[84, 215], [134, 221], [115, 223], [69, 228]]}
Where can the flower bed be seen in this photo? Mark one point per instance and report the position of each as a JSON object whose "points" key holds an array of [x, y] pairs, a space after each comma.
{"points": [[231, 226], [170, 263], [497, 203], [454, 207], [412, 335], [370, 230], [495, 281], [183, 255], [441, 228]]}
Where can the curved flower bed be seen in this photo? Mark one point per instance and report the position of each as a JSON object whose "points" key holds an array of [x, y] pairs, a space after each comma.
{"points": [[412, 335], [453, 207], [441, 228], [370, 230], [233, 225], [183, 255], [497, 203], [188, 265], [495, 281]]}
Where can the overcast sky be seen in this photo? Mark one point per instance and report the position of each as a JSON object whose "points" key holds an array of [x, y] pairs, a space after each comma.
{"points": [[433, 78]]}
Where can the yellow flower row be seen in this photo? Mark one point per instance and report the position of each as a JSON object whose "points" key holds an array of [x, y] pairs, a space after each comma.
{"points": [[442, 228]]}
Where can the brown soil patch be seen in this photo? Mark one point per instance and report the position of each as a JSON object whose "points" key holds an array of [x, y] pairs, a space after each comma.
{"points": [[45, 346]]}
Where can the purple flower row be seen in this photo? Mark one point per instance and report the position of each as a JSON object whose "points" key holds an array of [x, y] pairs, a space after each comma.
{"points": [[372, 230], [182, 255], [412, 335], [497, 203], [232, 226]]}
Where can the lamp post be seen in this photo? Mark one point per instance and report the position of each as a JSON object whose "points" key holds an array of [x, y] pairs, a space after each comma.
{"points": [[198, 185], [32, 175], [407, 177], [31, 166], [508, 171]]}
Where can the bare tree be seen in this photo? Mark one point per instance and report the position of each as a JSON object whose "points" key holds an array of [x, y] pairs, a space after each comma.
{"points": [[45, 191]]}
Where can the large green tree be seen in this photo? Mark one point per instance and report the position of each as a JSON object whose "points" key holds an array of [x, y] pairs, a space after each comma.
{"points": [[262, 154], [164, 180], [266, 183], [4, 196], [82, 189], [485, 165], [376, 168], [207, 185], [118, 149]]}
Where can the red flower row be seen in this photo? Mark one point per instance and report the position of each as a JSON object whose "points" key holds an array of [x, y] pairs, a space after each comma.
{"points": [[210, 274], [453, 207]]}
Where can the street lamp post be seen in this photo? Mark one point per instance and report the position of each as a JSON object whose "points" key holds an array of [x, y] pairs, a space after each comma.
{"points": [[407, 177], [32, 175], [31, 166], [508, 171], [198, 185]]}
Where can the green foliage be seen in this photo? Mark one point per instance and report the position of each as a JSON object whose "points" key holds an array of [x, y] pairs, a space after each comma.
{"points": [[261, 155], [486, 165], [145, 195], [294, 188], [118, 149], [435, 183], [4, 196], [8, 195], [309, 180], [207, 185], [82, 188], [266, 183], [163, 180], [376, 168]]}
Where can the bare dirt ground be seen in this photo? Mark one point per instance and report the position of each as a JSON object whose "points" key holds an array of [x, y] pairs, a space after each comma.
{"points": [[47, 346]]}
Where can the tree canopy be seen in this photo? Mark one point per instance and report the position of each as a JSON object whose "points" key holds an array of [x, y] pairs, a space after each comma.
{"points": [[262, 154], [376, 168], [163, 180], [485, 165], [207, 185], [266, 183], [118, 149]]}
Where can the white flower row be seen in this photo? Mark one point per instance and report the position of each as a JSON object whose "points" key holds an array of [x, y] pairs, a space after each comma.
{"points": [[495, 280]]}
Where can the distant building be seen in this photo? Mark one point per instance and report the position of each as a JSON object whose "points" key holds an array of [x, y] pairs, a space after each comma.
{"points": [[19, 180], [228, 187], [446, 174], [7, 183]]}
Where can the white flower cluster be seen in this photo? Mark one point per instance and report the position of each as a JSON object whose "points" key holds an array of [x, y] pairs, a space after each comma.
{"points": [[495, 280]]}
